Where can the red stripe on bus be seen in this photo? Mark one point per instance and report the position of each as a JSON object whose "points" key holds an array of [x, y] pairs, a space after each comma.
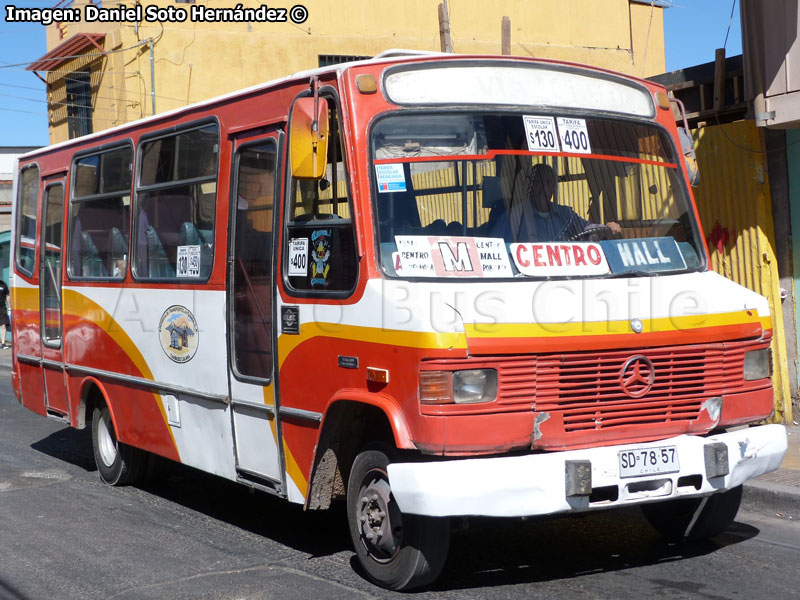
{"points": [[493, 153]]}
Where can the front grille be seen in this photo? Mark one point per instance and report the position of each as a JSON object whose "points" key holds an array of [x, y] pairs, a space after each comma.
{"points": [[585, 386]]}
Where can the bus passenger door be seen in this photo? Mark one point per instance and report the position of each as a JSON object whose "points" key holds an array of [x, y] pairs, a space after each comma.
{"points": [[50, 298], [250, 310]]}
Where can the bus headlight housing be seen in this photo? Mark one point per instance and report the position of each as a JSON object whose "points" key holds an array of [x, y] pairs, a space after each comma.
{"points": [[457, 387], [757, 364]]}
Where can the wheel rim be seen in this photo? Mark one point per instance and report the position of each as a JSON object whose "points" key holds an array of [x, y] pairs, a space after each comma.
{"points": [[106, 441], [379, 519]]}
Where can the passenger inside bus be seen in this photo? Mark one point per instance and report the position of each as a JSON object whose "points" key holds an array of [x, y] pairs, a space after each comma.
{"points": [[535, 215]]}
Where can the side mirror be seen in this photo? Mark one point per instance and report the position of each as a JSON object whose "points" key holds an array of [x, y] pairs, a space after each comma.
{"points": [[308, 138], [687, 145], [689, 156]]}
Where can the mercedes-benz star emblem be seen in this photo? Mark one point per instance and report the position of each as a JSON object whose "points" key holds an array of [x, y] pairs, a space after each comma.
{"points": [[637, 376]]}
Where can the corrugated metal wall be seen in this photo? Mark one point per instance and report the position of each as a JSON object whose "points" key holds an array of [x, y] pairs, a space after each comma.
{"points": [[736, 213]]}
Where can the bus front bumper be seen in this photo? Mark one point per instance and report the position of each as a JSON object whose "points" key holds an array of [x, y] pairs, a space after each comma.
{"points": [[558, 482]]}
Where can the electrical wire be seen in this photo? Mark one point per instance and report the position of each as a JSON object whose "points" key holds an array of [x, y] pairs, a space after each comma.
{"points": [[730, 22]]}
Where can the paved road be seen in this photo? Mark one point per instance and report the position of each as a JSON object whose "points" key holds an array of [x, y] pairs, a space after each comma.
{"points": [[65, 535]]}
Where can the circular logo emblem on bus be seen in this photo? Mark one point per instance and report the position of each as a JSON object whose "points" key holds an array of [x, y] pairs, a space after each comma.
{"points": [[178, 334], [637, 376]]}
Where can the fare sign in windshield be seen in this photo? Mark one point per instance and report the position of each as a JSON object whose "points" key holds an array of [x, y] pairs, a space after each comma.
{"points": [[648, 255], [559, 259]]}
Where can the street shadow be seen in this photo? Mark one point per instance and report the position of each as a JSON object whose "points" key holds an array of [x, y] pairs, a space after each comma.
{"points": [[514, 551], [9, 592], [70, 445], [483, 551], [317, 533]]}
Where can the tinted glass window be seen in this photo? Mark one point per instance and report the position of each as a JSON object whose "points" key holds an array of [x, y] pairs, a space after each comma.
{"points": [[252, 266], [320, 250], [27, 196], [176, 205], [100, 215], [513, 195], [51, 275]]}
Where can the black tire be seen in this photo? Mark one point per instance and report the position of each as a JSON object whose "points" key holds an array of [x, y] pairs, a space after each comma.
{"points": [[414, 552], [672, 518], [117, 463]]}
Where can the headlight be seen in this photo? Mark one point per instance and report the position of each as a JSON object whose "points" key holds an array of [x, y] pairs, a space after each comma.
{"points": [[757, 364], [475, 385], [459, 387]]}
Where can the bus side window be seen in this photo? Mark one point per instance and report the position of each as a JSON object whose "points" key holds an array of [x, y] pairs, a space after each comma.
{"points": [[27, 196], [100, 215], [175, 206], [320, 250]]}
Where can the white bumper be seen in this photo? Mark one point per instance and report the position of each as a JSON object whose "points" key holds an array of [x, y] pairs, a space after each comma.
{"points": [[535, 484]]}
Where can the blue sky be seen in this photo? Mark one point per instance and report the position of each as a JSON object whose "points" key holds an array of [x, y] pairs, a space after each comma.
{"points": [[693, 29]]}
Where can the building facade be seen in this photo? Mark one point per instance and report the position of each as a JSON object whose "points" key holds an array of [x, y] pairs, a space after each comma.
{"points": [[102, 74]]}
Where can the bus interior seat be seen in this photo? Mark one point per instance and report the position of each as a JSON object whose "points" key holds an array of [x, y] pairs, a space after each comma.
{"points": [[118, 249], [403, 219], [158, 264], [191, 236], [493, 200], [91, 263]]}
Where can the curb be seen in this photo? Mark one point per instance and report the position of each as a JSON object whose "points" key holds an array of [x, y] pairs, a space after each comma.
{"points": [[771, 498]]}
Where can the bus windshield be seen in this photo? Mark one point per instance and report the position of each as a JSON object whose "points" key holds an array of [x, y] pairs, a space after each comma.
{"points": [[528, 195]]}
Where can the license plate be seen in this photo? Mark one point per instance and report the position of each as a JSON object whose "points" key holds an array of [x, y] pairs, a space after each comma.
{"points": [[648, 461]]}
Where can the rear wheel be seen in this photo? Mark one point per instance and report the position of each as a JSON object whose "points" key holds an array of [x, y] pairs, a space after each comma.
{"points": [[694, 519], [117, 463], [397, 551]]}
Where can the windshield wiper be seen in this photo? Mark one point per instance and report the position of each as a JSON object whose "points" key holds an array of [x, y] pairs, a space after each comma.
{"points": [[633, 273]]}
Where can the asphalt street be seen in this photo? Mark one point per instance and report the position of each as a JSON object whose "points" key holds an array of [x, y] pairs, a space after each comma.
{"points": [[65, 535]]}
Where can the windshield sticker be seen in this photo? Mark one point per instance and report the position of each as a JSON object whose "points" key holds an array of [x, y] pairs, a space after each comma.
{"points": [[391, 178], [444, 256], [554, 259], [298, 257], [649, 255], [574, 135], [540, 132], [188, 261]]}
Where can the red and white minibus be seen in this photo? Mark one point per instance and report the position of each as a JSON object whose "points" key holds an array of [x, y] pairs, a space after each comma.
{"points": [[432, 285]]}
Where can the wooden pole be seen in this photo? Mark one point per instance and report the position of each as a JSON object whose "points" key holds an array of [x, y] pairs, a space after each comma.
{"points": [[719, 79], [444, 29], [505, 36]]}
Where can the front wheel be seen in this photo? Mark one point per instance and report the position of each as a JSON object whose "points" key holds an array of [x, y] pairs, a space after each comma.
{"points": [[694, 519], [117, 463], [397, 551]]}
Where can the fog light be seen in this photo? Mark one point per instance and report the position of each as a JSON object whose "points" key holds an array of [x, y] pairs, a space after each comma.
{"points": [[757, 364], [475, 385]]}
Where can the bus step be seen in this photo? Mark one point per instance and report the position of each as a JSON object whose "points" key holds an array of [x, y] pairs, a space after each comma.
{"points": [[58, 416], [259, 482]]}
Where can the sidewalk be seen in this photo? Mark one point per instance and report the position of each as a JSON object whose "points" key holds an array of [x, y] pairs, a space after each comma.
{"points": [[774, 493], [5, 361]]}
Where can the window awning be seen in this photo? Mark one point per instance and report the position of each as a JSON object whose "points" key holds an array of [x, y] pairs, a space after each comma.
{"points": [[66, 51]]}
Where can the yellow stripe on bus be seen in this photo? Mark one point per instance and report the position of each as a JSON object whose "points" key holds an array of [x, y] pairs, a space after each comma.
{"points": [[77, 305], [356, 333], [577, 329]]}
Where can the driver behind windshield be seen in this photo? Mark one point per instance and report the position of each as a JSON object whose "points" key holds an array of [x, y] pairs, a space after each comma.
{"points": [[550, 221]]}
